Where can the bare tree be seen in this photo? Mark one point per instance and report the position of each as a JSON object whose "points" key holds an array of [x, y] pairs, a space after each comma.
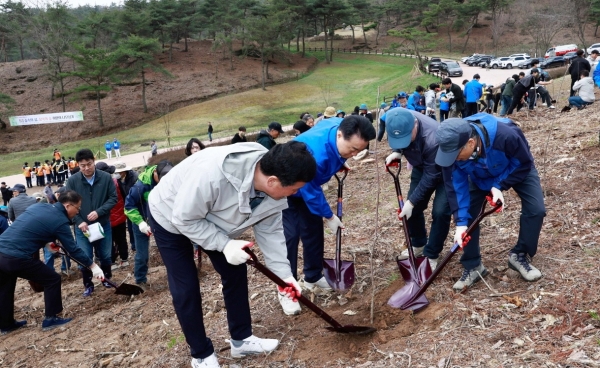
{"points": [[580, 13], [544, 23]]}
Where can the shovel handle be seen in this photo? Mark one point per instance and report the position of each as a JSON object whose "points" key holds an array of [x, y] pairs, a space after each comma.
{"points": [[276, 279], [64, 252]]}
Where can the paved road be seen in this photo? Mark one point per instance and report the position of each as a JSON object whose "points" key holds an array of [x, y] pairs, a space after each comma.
{"points": [[494, 77]]}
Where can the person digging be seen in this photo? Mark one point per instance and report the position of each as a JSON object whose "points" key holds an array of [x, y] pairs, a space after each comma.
{"points": [[483, 154]]}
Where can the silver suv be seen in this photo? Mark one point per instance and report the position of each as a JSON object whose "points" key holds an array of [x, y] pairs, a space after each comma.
{"points": [[513, 61], [495, 63]]}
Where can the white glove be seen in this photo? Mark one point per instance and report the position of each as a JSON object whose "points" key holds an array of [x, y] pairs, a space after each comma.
{"points": [[430, 111], [97, 272], [234, 251], [145, 228], [497, 195], [458, 235], [406, 210], [393, 156], [347, 166], [334, 222], [293, 290]]}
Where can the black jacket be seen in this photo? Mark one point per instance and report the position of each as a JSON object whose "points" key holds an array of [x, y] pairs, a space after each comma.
{"points": [[265, 139], [6, 194], [100, 197], [237, 139], [578, 65], [128, 183], [459, 97]]}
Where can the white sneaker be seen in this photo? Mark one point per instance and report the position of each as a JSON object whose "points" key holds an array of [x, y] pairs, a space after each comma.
{"points": [[290, 307], [209, 362], [114, 266], [433, 262], [417, 251], [552, 107], [252, 345], [321, 284]]}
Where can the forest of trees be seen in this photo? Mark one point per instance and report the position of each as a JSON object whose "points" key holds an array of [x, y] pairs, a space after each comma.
{"points": [[99, 46]]}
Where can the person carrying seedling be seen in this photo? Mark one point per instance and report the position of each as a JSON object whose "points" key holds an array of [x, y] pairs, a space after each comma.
{"points": [[211, 198], [484, 155], [413, 135], [37, 226]]}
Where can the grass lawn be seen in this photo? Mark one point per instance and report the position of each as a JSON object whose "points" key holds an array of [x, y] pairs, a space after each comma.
{"points": [[347, 82]]}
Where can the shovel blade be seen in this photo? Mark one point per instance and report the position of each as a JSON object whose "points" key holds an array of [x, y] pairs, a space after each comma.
{"points": [[355, 330], [421, 274], [401, 298], [341, 281], [128, 289]]}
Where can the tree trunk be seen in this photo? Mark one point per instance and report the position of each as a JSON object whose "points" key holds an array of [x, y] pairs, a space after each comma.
{"points": [[52, 91], [331, 48], [262, 67], [21, 48], [449, 39], [362, 24], [230, 46], [62, 86], [171, 52], [298, 41], [185, 49], [267, 68], [144, 91], [468, 36], [2, 124], [99, 109], [353, 39], [377, 34], [325, 32], [303, 43], [596, 30]]}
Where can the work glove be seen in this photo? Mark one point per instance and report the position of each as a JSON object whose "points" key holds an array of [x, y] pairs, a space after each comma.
{"points": [[51, 247], [459, 235], [392, 157], [430, 111], [145, 228], [293, 290], [346, 167], [406, 210], [497, 195], [334, 222], [97, 272], [234, 251]]}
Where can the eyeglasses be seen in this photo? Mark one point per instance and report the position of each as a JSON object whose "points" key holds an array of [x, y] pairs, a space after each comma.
{"points": [[78, 207]]}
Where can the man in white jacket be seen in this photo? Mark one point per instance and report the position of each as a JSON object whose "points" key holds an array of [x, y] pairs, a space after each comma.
{"points": [[210, 199], [585, 87], [430, 100]]}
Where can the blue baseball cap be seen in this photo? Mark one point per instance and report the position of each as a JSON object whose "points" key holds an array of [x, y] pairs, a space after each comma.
{"points": [[402, 95], [399, 124], [452, 135], [363, 107], [383, 105]]}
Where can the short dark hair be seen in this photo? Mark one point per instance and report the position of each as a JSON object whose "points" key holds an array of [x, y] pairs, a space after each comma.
{"points": [[465, 81], [595, 52], [188, 147], [446, 81], [242, 129], [290, 162], [585, 73], [579, 52], [84, 154], [433, 86], [357, 125], [534, 62], [522, 74], [69, 196], [420, 89]]}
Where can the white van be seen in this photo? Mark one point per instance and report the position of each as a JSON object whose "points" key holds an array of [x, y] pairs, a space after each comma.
{"points": [[595, 46], [560, 50]]}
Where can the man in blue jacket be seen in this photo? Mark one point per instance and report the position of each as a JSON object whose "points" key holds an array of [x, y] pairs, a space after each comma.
{"points": [[484, 154], [414, 101], [413, 135], [38, 225], [473, 92], [108, 148], [331, 142], [117, 147]]}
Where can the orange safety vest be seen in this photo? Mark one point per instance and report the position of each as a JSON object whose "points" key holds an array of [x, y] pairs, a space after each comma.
{"points": [[27, 171], [71, 164], [47, 170], [40, 171]]}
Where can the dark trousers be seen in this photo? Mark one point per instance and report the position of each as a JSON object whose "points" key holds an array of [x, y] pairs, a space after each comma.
{"points": [[440, 214], [443, 115], [177, 253], [300, 224], [28, 269], [533, 212], [131, 236], [40, 181], [381, 130], [28, 182], [572, 83], [119, 247], [471, 109], [518, 92]]}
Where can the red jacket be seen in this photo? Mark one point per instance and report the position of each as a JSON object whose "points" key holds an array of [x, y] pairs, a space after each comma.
{"points": [[117, 214]]}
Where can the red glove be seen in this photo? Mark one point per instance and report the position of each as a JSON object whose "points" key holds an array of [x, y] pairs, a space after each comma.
{"points": [[293, 290]]}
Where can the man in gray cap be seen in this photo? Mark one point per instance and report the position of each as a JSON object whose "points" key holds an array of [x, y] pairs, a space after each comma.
{"points": [[413, 135], [484, 154], [20, 201]]}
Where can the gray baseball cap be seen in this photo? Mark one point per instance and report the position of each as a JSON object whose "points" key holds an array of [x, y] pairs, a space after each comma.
{"points": [[452, 135], [399, 124]]}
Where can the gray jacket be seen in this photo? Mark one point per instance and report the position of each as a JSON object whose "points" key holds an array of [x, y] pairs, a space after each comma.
{"points": [[18, 205], [207, 198], [585, 86]]}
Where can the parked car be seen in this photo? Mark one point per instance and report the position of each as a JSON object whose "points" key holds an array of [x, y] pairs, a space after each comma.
{"points": [[495, 63], [484, 61], [595, 46], [464, 60], [553, 62], [434, 64], [513, 61], [527, 63], [516, 55], [560, 50], [476, 60], [449, 68], [569, 56]]}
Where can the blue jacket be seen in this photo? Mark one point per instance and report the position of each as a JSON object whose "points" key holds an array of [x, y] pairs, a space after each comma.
{"points": [[116, 145], [3, 224], [414, 102], [108, 146], [421, 155], [444, 106], [40, 224], [597, 76], [473, 91], [395, 103], [505, 160], [136, 202], [321, 142]]}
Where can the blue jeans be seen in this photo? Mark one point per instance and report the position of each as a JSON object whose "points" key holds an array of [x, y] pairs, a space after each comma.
{"points": [[301, 224], [578, 101], [49, 260], [533, 212], [142, 243], [210, 136], [440, 214], [102, 248], [506, 101]]}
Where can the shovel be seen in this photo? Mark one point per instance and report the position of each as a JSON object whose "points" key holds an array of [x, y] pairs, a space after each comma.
{"points": [[339, 274], [414, 270], [123, 289], [409, 299], [335, 325]]}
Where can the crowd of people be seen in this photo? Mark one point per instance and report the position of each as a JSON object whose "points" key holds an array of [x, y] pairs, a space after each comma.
{"points": [[276, 189]]}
